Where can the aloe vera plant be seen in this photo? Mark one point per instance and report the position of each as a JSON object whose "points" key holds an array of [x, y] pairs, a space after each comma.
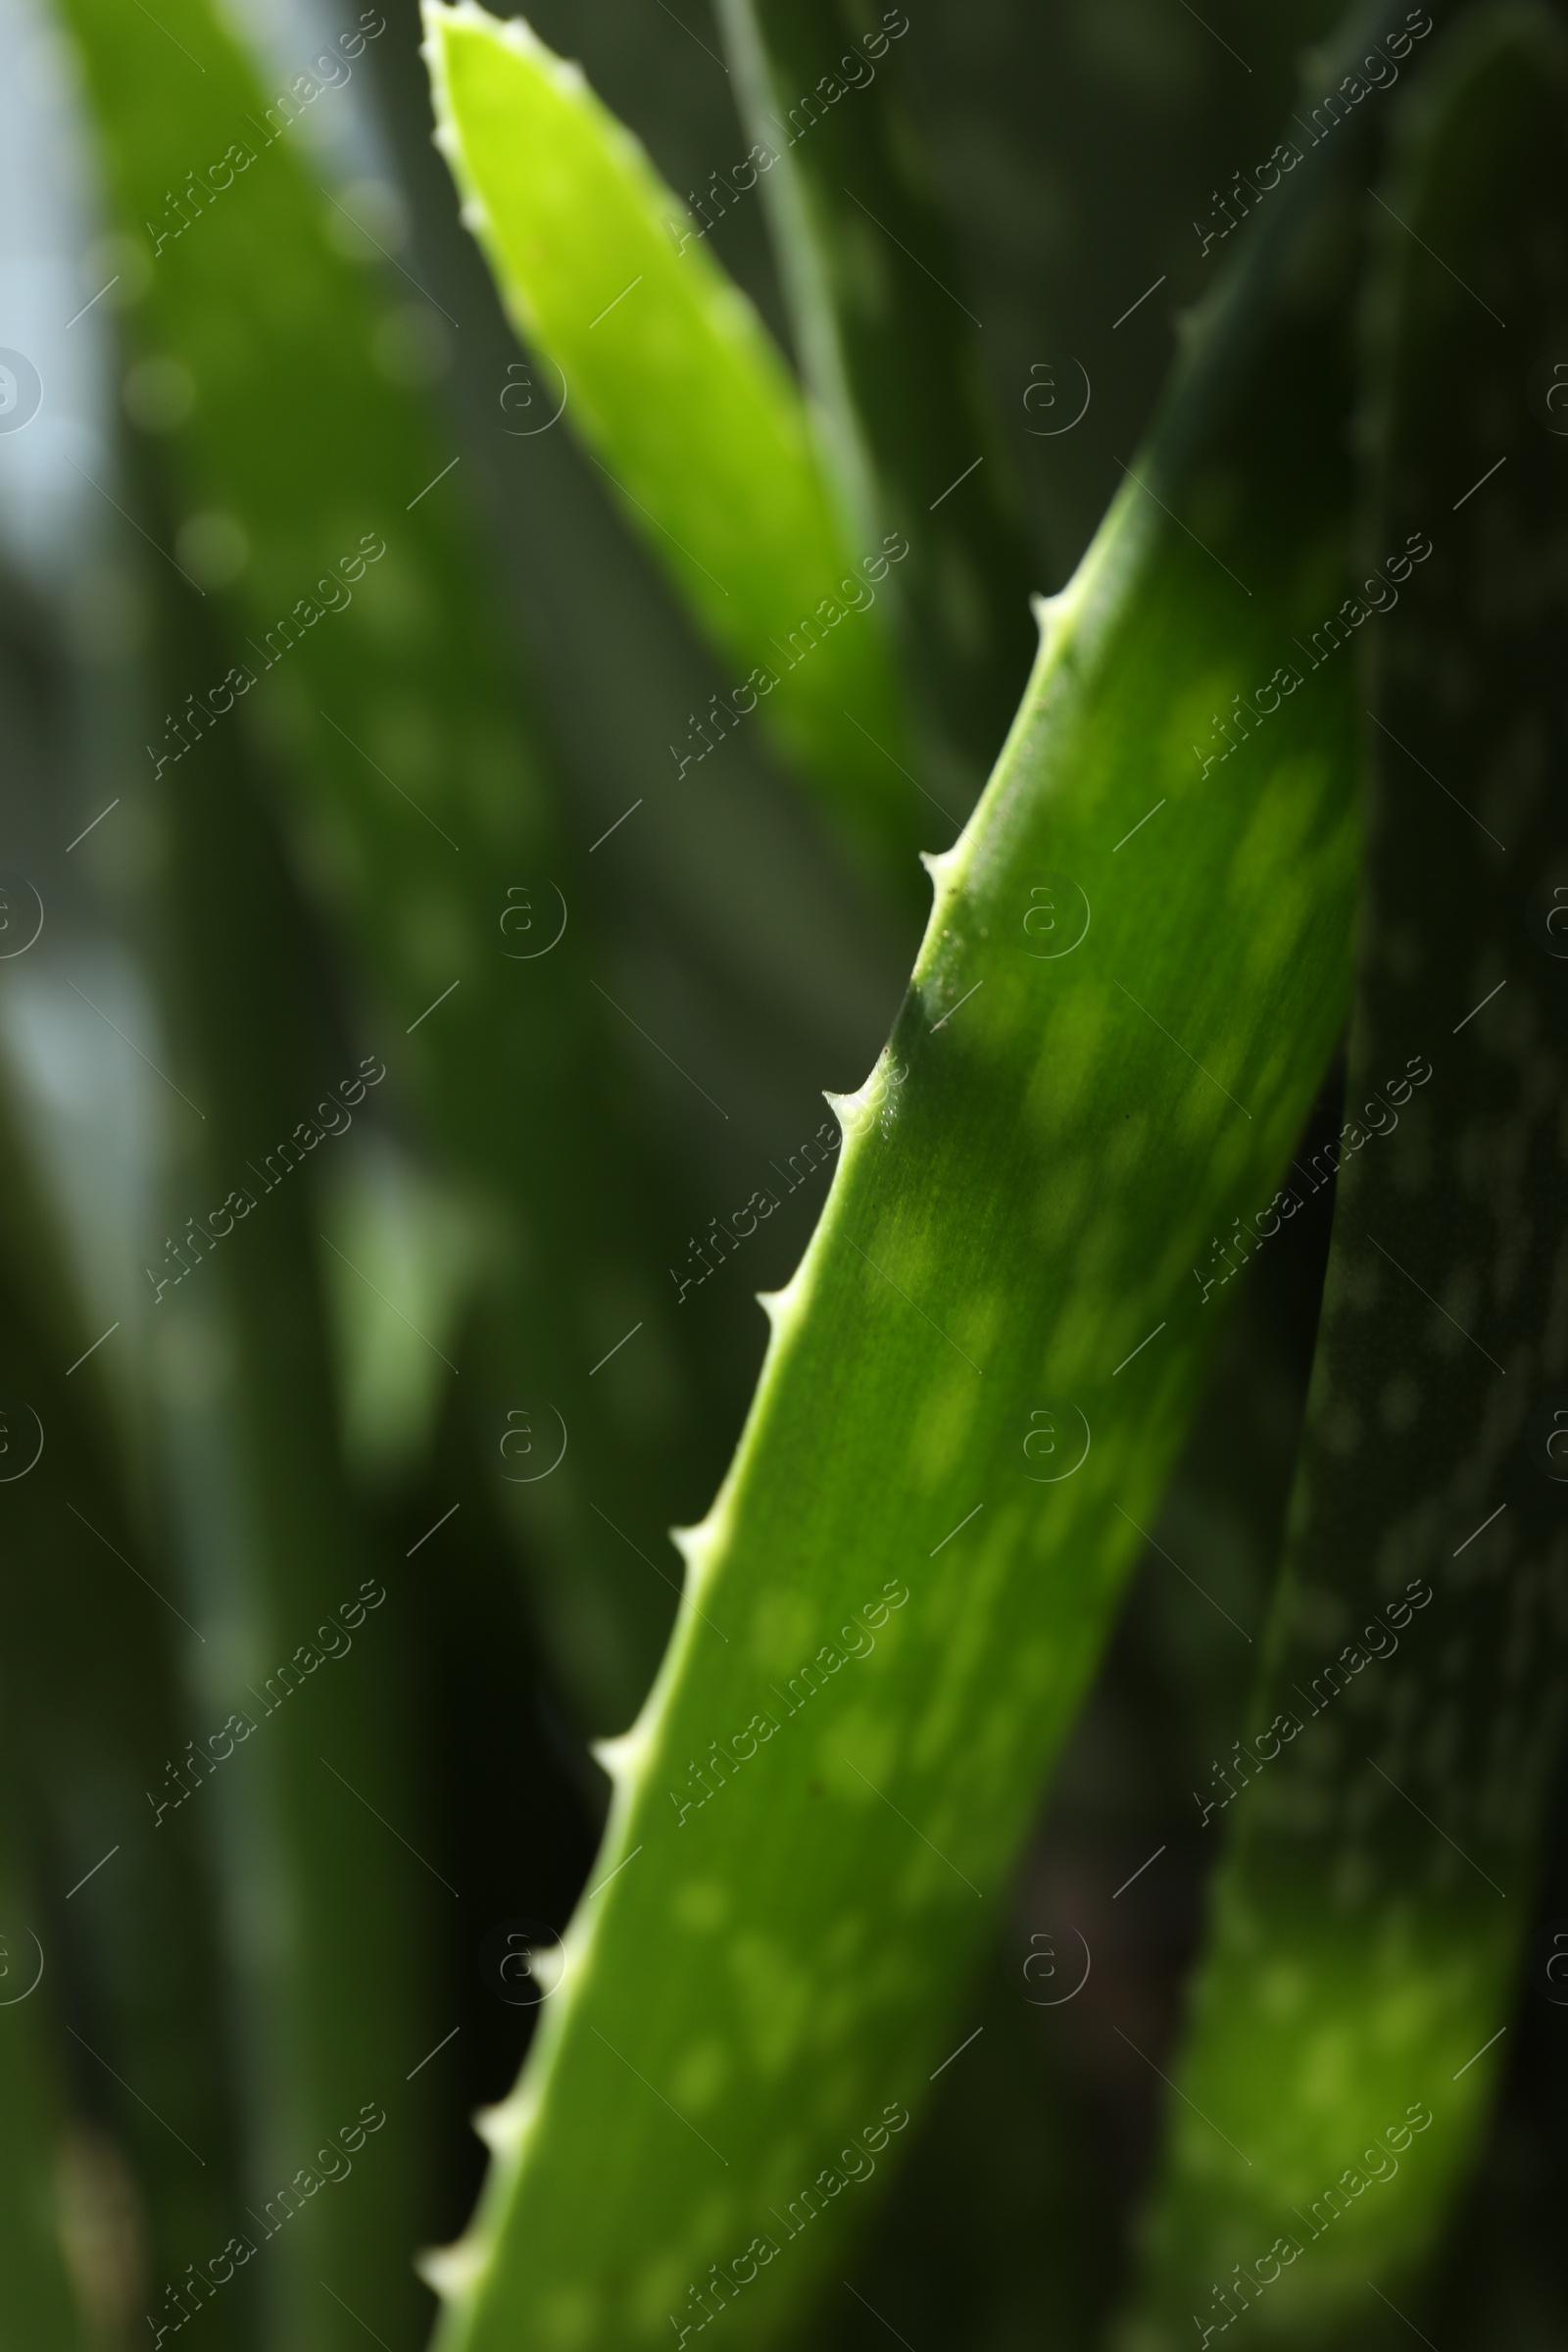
{"points": [[1282, 777]]}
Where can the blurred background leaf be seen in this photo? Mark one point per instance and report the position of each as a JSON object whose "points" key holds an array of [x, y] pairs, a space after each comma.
{"points": [[1379, 1877]]}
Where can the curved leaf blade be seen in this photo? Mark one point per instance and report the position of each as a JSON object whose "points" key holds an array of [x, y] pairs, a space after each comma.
{"points": [[1348, 2023], [1002, 1273], [677, 390]]}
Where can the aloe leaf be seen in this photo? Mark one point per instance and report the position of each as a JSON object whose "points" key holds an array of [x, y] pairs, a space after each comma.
{"points": [[414, 794], [1349, 2025], [118, 1921], [33, 2281], [303, 1781], [987, 1357], [1011, 2210], [142, 1682], [39, 2304], [888, 347], [676, 389]]}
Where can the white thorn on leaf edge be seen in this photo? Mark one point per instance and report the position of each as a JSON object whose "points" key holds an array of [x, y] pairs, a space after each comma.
{"points": [[619, 1756], [777, 1305], [452, 2271], [500, 2128], [693, 1543]]}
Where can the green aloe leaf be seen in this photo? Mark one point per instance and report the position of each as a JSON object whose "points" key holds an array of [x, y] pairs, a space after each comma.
{"points": [[677, 390], [303, 1776], [1137, 962], [1384, 1803], [359, 638], [115, 1921], [39, 2304], [33, 2281], [888, 347]]}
